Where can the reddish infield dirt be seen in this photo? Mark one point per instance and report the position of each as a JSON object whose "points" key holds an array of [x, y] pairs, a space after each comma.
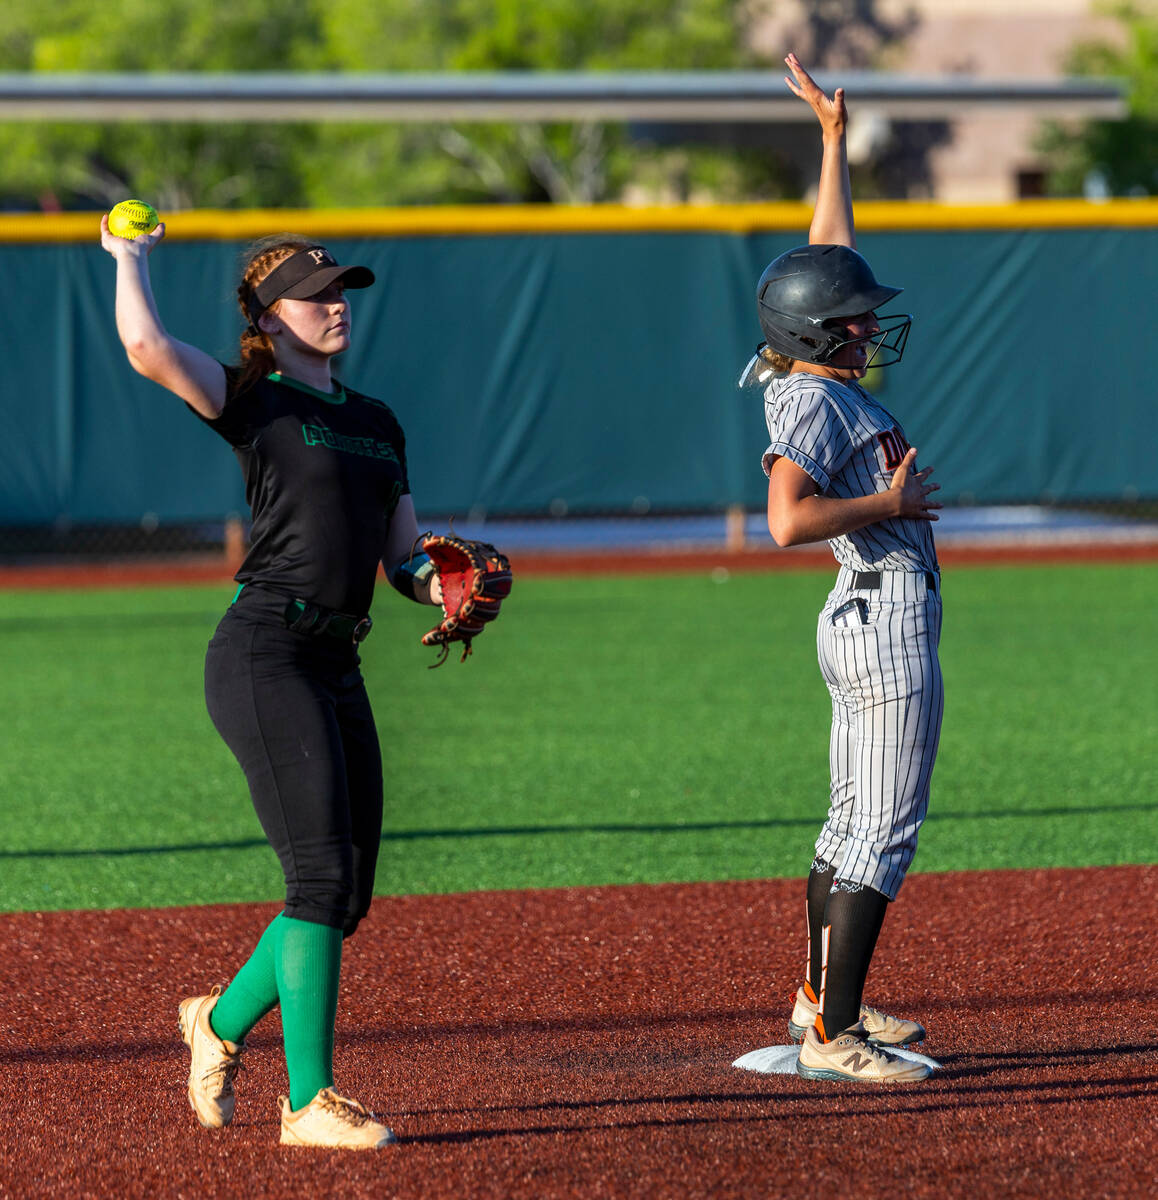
{"points": [[578, 1042], [159, 572]]}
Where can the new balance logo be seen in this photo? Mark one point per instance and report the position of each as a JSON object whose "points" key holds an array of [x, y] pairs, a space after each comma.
{"points": [[856, 1062]]}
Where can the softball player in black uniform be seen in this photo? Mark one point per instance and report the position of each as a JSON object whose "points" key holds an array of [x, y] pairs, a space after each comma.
{"points": [[840, 469], [325, 476]]}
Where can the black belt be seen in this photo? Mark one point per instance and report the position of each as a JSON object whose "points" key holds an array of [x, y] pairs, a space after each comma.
{"points": [[313, 620], [871, 580]]}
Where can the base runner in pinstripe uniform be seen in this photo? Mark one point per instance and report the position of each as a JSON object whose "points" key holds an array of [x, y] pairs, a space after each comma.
{"points": [[841, 469]]}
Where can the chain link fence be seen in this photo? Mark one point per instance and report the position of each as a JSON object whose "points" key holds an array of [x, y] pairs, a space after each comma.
{"points": [[148, 540], [735, 529]]}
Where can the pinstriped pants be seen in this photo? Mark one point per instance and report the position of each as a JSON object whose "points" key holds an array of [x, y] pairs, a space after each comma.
{"points": [[880, 663]]}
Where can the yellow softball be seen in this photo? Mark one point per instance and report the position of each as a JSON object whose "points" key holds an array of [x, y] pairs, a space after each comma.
{"points": [[131, 218]]}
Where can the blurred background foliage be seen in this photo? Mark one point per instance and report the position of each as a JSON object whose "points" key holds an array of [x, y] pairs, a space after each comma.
{"points": [[177, 166], [1112, 158], [181, 166]]}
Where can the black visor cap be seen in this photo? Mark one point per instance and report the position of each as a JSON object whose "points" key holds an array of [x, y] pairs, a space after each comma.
{"points": [[306, 273]]}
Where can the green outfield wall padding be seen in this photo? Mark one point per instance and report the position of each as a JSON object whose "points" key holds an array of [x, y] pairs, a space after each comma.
{"points": [[596, 370]]}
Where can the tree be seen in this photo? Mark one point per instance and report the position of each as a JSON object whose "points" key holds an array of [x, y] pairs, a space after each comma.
{"points": [[1117, 157], [578, 162], [177, 165], [185, 165]]}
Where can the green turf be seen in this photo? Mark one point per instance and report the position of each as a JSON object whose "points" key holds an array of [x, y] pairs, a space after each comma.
{"points": [[587, 741]]}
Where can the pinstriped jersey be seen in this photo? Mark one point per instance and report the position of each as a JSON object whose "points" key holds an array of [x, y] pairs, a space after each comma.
{"points": [[851, 445]]}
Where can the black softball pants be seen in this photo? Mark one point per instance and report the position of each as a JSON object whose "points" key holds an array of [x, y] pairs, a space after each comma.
{"points": [[294, 711]]}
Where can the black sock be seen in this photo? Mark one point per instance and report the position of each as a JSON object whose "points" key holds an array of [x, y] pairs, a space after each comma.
{"points": [[853, 917], [820, 881]]}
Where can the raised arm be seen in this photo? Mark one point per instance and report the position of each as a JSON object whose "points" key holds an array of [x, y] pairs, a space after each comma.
{"points": [[195, 376], [832, 221]]}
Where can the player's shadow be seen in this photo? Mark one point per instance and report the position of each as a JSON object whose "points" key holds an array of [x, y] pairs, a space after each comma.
{"points": [[935, 1096], [613, 827]]}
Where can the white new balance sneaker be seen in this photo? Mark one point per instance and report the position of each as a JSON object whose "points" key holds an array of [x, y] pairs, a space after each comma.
{"points": [[851, 1056], [332, 1121], [214, 1063], [882, 1029]]}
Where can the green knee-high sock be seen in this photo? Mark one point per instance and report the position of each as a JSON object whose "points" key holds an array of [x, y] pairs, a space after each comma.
{"points": [[308, 961], [252, 993]]}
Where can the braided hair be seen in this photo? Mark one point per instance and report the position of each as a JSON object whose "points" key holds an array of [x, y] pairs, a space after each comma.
{"points": [[257, 357]]}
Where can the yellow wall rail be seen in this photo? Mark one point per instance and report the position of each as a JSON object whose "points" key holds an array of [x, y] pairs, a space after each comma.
{"points": [[483, 220]]}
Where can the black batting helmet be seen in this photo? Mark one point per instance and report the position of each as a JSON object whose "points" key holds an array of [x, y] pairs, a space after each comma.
{"points": [[803, 294]]}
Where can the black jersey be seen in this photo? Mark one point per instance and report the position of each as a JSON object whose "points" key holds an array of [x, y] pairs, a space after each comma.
{"points": [[323, 475]]}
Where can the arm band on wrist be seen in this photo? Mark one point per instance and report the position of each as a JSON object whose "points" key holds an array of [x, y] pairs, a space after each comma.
{"points": [[404, 575]]}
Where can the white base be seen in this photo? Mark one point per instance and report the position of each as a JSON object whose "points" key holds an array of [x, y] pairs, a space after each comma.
{"points": [[781, 1060]]}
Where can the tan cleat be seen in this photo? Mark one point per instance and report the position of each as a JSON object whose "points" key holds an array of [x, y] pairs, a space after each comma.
{"points": [[332, 1121], [850, 1056], [882, 1029], [214, 1063]]}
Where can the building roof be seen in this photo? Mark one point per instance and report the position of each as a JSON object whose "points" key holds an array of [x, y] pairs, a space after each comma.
{"points": [[659, 96]]}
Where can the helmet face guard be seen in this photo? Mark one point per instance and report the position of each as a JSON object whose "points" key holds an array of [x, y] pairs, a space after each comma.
{"points": [[805, 296], [887, 344]]}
